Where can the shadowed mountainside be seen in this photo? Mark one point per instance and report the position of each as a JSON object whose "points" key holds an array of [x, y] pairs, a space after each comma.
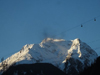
{"points": [[48, 69], [34, 69], [94, 69]]}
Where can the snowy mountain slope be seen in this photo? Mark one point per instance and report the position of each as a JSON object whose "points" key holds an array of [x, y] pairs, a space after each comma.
{"points": [[66, 55]]}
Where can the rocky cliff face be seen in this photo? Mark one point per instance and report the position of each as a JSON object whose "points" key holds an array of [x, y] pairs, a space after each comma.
{"points": [[69, 56]]}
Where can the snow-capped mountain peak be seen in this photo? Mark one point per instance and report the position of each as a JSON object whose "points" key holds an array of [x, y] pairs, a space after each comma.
{"points": [[59, 52], [75, 48]]}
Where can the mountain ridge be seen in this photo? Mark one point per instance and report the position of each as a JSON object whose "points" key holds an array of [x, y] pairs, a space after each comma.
{"points": [[65, 55]]}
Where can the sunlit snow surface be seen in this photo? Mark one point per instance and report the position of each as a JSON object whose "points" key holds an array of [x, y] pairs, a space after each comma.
{"points": [[54, 51]]}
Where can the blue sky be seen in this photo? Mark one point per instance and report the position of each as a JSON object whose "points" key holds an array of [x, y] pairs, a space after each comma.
{"points": [[30, 21]]}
